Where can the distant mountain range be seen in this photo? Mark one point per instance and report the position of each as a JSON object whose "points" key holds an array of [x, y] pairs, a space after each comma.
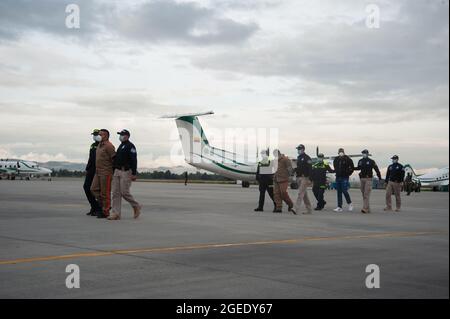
{"points": [[55, 165]]}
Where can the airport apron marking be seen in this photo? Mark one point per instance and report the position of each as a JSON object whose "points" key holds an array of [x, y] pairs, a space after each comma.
{"points": [[212, 246]]}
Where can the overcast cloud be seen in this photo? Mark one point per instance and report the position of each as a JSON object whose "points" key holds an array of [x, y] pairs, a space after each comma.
{"points": [[311, 68]]}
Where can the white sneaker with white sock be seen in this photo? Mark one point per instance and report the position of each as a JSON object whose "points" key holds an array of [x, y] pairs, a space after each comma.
{"points": [[337, 209], [350, 207]]}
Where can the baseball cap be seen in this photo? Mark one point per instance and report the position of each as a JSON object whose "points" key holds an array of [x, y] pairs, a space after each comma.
{"points": [[124, 132]]}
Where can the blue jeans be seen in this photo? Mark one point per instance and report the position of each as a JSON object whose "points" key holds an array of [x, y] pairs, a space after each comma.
{"points": [[342, 186]]}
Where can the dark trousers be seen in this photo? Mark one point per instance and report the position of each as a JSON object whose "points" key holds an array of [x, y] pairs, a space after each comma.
{"points": [[95, 207], [265, 186], [342, 186], [318, 192]]}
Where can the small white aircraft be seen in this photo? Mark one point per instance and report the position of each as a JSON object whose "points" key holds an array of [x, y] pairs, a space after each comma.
{"points": [[200, 154], [18, 168], [436, 179]]}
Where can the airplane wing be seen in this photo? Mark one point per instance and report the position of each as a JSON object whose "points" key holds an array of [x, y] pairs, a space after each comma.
{"points": [[331, 158]]}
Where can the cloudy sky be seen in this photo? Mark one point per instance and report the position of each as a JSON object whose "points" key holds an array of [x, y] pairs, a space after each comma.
{"points": [[311, 69]]}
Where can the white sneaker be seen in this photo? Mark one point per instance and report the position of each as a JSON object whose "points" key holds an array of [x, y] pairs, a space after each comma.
{"points": [[350, 207], [337, 209]]}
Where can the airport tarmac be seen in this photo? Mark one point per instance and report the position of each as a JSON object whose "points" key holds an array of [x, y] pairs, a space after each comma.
{"points": [[205, 241]]}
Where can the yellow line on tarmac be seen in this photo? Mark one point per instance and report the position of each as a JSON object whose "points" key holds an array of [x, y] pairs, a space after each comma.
{"points": [[211, 246]]}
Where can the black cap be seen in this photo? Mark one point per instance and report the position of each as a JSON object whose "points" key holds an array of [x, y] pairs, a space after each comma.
{"points": [[124, 132], [394, 157], [341, 150], [365, 152], [301, 147]]}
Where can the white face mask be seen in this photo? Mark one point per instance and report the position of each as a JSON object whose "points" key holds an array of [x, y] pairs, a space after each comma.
{"points": [[97, 138], [122, 138], [395, 161], [365, 155], [300, 152], [341, 154]]}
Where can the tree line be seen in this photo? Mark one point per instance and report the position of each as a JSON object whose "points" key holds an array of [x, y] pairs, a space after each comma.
{"points": [[163, 175]]}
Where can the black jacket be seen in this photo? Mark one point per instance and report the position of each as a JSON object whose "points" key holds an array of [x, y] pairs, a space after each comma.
{"points": [[343, 166], [90, 167], [395, 173], [319, 174], [366, 167], [126, 157], [264, 178], [304, 166]]}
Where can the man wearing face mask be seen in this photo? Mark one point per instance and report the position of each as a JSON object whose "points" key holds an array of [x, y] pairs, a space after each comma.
{"points": [[303, 171], [101, 186], [281, 182], [125, 172], [394, 177], [366, 166], [344, 167], [264, 176], [319, 179], [90, 173]]}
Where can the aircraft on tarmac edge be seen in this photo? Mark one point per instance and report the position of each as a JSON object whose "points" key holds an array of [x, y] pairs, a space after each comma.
{"points": [[199, 153], [436, 179], [13, 168]]}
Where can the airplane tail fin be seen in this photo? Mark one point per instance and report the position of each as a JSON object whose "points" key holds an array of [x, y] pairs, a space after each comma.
{"points": [[192, 135]]}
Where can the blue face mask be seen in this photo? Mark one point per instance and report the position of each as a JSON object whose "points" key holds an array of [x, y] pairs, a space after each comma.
{"points": [[394, 161]]}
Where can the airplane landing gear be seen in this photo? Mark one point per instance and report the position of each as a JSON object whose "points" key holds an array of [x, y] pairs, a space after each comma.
{"points": [[245, 184]]}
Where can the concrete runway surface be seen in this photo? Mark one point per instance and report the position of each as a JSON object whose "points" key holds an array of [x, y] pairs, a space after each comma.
{"points": [[205, 241]]}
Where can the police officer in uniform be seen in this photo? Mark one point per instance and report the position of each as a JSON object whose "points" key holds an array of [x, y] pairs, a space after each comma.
{"points": [[319, 179], [394, 179], [303, 171], [90, 173], [408, 184], [264, 176], [125, 172], [366, 166]]}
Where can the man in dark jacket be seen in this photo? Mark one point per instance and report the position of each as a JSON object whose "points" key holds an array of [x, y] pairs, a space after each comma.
{"points": [[319, 179], [408, 184], [125, 172], [303, 172], [394, 178], [366, 166], [344, 167], [264, 176], [90, 173]]}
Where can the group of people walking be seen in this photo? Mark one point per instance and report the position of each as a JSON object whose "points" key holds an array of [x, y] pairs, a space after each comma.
{"points": [[110, 171], [274, 178]]}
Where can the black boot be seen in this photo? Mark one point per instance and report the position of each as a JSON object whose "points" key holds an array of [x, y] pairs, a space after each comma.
{"points": [[292, 210], [258, 209], [91, 213]]}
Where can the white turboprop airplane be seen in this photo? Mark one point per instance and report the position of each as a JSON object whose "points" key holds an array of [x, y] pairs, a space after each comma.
{"points": [[436, 179], [200, 154], [18, 168]]}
